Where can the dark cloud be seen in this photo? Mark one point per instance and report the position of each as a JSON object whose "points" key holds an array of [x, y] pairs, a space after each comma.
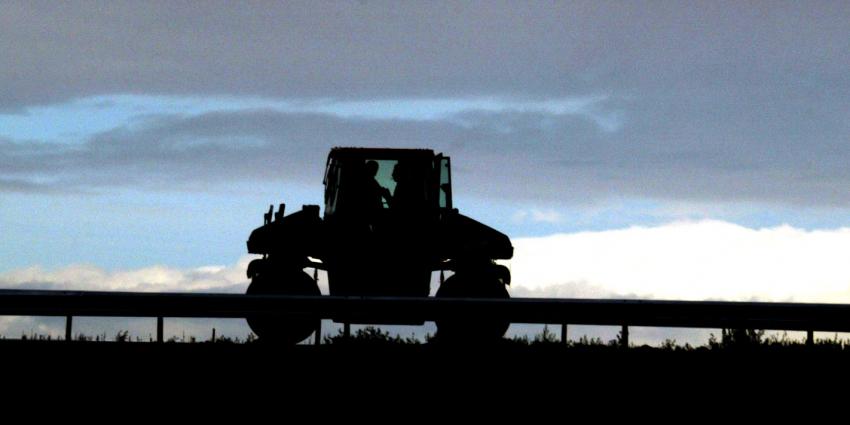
{"points": [[378, 49], [170, 151], [513, 155], [717, 101], [23, 186]]}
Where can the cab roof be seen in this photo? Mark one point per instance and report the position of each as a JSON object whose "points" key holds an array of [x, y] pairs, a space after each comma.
{"points": [[379, 153]]}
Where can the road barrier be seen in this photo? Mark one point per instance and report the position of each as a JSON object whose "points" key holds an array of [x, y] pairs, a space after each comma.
{"points": [[625, 313]]}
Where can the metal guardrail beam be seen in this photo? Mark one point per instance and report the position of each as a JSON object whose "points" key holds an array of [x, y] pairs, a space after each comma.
{"points": [[687, 314]]}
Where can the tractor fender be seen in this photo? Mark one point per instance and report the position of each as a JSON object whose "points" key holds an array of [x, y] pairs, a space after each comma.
{"points": [[463, 237], [294, 233]]}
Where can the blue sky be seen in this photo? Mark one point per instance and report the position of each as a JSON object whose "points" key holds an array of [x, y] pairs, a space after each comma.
{"points": [[135, 137]]}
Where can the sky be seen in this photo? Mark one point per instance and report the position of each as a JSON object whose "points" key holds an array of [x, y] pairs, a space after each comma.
{"points": [[665, 150]]}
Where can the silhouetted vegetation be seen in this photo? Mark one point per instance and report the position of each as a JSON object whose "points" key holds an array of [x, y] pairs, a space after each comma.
{"points": [[372, 336], [738, 340]]}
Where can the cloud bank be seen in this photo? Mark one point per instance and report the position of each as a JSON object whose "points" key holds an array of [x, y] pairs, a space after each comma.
{"points": [[704, 260], [692, 260]]}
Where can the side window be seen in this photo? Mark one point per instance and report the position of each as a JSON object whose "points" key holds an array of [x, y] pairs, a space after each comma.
{"points": [[445, 182], [331, 188]]}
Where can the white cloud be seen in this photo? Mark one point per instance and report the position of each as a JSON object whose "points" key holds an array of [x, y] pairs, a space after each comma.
{"points": [[148, 279], [699, 260]]}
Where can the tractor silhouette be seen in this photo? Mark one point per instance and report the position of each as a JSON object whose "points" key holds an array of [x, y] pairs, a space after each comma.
{"points": [[388, 223]]}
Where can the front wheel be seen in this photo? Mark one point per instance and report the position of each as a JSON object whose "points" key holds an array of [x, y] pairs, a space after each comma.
{"points": [[283, 329], [468, 284]]}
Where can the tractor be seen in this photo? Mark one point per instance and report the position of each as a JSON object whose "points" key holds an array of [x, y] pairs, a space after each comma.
{"points": [[388, 224]]}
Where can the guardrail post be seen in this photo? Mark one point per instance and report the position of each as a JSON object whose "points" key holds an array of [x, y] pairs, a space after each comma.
{"points": [[810, 338], [564, 334], [69, 320], [318, 334], [159, 326], [346, 330], [624, 337]]}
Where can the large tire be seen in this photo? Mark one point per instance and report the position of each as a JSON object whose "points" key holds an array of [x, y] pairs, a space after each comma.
{"points": [[282, 329], [472, 330]]}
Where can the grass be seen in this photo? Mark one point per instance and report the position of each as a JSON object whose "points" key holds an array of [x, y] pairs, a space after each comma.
{"points": [[729, 340]]}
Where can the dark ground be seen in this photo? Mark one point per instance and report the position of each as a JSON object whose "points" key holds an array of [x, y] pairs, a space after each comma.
{"points": [[378, 359], [414, 378]]}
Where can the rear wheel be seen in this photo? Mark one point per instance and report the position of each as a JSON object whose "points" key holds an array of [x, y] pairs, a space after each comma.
{"points": [[283, 329], [468, 284]]}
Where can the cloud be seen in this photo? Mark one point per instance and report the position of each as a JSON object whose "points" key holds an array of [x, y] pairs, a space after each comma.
{"points": [[703, 260], [170, 151], [506, 154], [223, 279], [22, 186], [382, 49], [710, 102]]}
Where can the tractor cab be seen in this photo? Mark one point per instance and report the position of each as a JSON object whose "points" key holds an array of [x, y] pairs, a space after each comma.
{"points": [[371, 184]]}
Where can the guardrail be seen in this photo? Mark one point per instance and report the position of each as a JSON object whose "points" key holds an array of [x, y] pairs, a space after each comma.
{"points": [[625, 313]]}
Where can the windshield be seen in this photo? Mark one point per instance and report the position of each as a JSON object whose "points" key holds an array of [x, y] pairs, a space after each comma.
{"points": [[360, 186]]}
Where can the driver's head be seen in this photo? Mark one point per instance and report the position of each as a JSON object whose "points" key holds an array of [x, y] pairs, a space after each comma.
{"points": [[398, 171], [371, 168]]}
